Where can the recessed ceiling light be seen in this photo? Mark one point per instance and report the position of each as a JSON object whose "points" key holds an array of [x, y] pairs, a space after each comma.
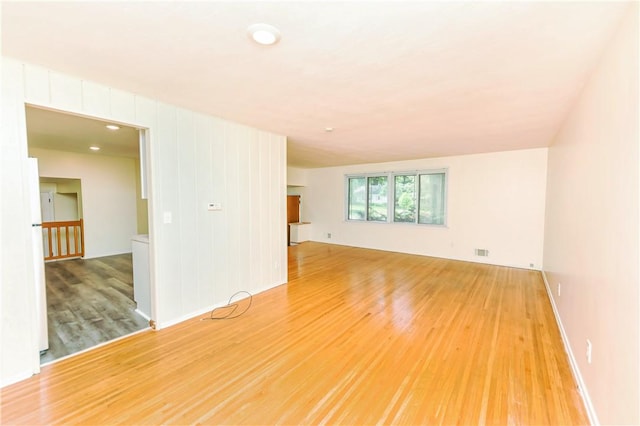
{"points": [[328, 129], [264, 34], [94, 148], [112, 127]]}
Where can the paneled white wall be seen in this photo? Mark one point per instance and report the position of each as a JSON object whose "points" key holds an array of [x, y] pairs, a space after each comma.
{"points": [[495, 202], [199, 259], [19, 356], [108, 193]]}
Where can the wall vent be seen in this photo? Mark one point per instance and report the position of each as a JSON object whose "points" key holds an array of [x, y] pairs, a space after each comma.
{"points": [[482, 252]]}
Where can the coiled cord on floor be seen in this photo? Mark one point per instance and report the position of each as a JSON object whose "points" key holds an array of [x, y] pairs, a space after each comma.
{"points": [[233, 306]]}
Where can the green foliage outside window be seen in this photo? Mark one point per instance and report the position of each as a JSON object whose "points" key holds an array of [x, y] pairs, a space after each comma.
{"points": [[377, 200], [404, 209], [409, 197]]}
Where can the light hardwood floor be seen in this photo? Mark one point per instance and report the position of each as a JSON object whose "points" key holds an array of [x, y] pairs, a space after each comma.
{"points": [[356, 337], [89, 302]]}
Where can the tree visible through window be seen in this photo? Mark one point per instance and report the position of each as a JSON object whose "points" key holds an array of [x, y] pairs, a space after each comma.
{"points": [[418, 197], [404, 208], [377, 202]]}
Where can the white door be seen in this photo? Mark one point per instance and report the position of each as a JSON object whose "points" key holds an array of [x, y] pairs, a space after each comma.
{"points": [[46, 206], [38, 255]]}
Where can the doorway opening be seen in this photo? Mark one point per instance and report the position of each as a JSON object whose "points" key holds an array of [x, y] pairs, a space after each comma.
{"points": [[91, 173], [298, 227]]}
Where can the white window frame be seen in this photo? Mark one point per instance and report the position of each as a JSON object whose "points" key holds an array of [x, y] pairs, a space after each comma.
{"points": [[391, 196]]}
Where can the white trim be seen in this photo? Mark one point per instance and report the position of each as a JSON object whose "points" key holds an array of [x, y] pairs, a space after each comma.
{"points": [[391, 195], [166, 324], [582, 387], [142, 314], [486, 261], [200, 312]]}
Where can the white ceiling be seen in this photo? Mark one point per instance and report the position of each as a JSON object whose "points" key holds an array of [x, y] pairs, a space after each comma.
{"points": [[65, 132], [397, 80]]}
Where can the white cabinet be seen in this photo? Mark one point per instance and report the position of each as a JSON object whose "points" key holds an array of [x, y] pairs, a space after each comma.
{"points": [[300, 232]]}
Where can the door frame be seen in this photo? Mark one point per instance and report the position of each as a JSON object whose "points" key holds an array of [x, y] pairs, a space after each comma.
{"points": [[145, 149]]}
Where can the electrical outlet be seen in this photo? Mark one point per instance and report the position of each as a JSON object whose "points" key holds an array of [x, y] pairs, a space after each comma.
{"points": [[328, 234], [589, 349], [559, 289]]}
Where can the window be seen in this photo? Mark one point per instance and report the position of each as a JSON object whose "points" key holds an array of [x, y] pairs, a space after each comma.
{"points": [[404, 207], [377, 200], [357, 198], [407, 197], [431, 209]]}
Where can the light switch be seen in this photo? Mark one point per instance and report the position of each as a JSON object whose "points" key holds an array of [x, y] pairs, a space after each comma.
{"points": [[214, 206], [167, 218]]}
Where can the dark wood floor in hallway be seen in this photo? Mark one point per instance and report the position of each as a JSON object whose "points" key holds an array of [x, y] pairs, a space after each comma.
{"points": [[356, 337], [89, 302]]}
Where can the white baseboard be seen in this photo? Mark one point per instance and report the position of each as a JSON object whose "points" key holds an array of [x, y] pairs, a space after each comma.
{"points": [[200, 312], [582, 387], [166, 324], [475, 259]]}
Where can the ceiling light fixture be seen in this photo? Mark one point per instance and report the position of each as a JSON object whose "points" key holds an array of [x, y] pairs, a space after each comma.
{"points": [[328, 129], [94, 148], [112, 127], [264, 34]]}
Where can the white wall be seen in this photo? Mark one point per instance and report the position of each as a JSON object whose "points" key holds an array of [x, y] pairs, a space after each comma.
{"points": [[109, 195], [495, 202], [591, 235], [66, 206], [19, 357], [199, 259], [67, 198], [296, 176], [297, 181]]}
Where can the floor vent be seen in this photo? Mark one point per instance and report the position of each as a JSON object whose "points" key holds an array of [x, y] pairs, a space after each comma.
{"points": [[482, 252]]}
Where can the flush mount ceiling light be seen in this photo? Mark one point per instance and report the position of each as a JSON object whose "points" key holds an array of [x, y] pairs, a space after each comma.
{"points": [[94, 148], [112, 127], [328, 129], [264, 34]]}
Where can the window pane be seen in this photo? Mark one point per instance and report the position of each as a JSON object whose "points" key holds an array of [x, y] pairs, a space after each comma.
{"points": [[432, 199], [377, 198], [404, 209], [357, 198]]}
